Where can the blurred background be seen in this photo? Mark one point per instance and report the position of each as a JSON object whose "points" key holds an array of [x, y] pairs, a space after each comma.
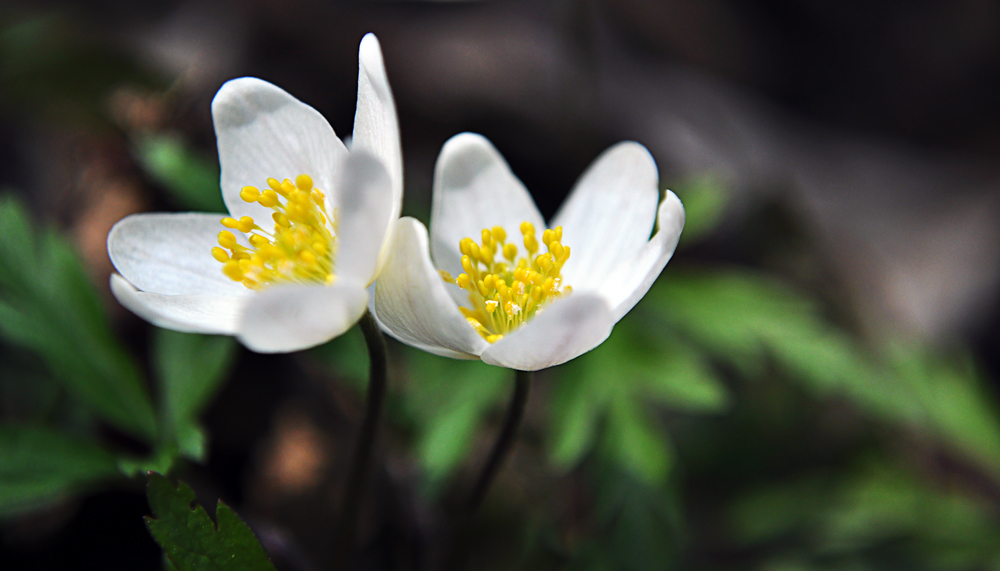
{"points": [[811, 383]]}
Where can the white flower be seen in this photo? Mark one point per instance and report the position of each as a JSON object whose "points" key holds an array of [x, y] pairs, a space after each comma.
{"points": [[516, 311], [291, 270]]}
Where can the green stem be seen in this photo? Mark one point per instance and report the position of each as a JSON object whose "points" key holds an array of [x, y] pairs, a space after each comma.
{"points": [[501, 448], [360, 463]]}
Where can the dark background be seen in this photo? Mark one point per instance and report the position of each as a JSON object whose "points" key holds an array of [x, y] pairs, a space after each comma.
{"points": [[857, 143]]}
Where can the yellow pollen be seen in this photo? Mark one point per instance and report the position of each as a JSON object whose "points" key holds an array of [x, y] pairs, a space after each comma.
{"points": [[508, 292], [301, 247]]}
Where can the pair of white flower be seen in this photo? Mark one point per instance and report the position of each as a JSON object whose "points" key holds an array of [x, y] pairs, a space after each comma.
{"points": [[333, 228]]}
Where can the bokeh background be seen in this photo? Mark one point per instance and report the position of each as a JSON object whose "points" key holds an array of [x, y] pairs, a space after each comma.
{"points": [[811, 384]]}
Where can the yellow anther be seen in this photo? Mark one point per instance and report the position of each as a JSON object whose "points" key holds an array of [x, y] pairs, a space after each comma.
{"points": [[268, 198], [486, 255], [530, 243], [506, 293], [467, 265], [510, 251], [304, 182], [446, 276], [556, 249], [463, 246], [301, 248], [249, 194], [232, 270], [281, 220], [307, 257], [548, 236], [227, 240]]}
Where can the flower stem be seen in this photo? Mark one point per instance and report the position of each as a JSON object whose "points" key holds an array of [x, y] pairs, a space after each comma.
{"points": [[502, 446], [511, 422], [360, 463]]}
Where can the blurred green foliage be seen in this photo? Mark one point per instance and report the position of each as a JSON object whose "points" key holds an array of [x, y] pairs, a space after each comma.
{"points": [[85, 377], [191, 180]]}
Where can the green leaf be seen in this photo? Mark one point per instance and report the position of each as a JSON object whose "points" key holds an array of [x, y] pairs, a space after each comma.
{"points": [[619, 378], [40, 466], [744, 319], [636, 443], [959, 408], [192, 180], [49, 306], [191, 369], [449, 400], [189, 538]]}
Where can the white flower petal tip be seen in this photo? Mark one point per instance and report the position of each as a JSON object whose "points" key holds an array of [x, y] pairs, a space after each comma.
{"points": [[525, 313], [610, 213], [376, 126], [411, 301], [294, 317], [191, 313], [635, 276], [565, 330]]}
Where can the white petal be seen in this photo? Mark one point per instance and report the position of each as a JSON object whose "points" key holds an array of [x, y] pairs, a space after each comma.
{"points": [[627, 284], [263, 132], [366, 204], [411, 300], [376, 128], [288, 318], [171, 254], [475, 189], [565, 330], [609, 214], [188, 313]]}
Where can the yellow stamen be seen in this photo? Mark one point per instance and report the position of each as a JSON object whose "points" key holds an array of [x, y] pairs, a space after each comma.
{"points": [[301, 248], [506, 294]]}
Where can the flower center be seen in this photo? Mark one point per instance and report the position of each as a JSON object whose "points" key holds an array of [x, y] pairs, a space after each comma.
{"points": [[300, 249], [507, 293]]}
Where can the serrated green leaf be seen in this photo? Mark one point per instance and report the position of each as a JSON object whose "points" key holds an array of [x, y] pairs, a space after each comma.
{"points": [[41, 465], [190, 369], [191, 541], [192, 180], [50, 307]]}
